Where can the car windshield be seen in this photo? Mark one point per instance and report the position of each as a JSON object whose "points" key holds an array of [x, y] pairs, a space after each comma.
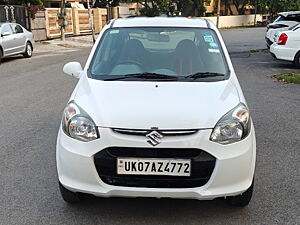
{"points": [[159, 53]]}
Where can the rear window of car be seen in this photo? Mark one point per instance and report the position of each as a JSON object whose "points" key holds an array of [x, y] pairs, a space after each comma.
{"points": [[169, 51], [295, 18]]}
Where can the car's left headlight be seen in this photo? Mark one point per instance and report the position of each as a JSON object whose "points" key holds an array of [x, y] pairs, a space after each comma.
{"points": [[233, 126], [77, 124]]}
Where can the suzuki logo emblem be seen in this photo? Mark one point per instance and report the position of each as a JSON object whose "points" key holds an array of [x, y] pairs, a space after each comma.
{"points": [[154, 138]]}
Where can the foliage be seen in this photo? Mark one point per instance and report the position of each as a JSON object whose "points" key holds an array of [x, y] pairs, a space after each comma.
{"points": [[191, 7], [196, 7], [105, 3], [274, 6], [271, 7], [293, 78], [33, 9], [167, 7], [21, 2]]}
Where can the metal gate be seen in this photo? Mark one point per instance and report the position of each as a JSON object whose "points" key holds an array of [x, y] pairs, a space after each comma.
{"points": [[14, 13]]}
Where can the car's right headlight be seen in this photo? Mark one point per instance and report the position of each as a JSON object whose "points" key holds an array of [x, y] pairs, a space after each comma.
{"points": [[233, 126], [77, 124]]}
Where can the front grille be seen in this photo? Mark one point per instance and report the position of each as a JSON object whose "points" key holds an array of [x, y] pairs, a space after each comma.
{"points": [[163, 132], [202, 166]]}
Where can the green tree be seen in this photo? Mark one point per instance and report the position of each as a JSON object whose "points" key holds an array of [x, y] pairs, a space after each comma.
{"points": [[275, 6], [153, 7], [240, 5], [191, 7], [159, 7], [105, 3]]}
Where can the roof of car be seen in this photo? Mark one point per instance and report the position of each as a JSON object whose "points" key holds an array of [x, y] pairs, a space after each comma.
{"points": [[160, 22], [285, 14], [1, 23]]}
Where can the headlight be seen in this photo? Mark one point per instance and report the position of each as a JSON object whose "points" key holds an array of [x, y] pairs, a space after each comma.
{"points": [[78, 124], [233, 126]]}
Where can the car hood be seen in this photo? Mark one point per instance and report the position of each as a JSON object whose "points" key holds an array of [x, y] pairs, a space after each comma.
{"points": [[166, 105]]}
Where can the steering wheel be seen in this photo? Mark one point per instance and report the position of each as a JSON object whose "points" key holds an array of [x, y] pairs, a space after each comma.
{"points": [[130, 61]]}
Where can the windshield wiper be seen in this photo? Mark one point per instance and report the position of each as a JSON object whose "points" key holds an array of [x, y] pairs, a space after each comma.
{"points": [[145, 76], [204, 75]]}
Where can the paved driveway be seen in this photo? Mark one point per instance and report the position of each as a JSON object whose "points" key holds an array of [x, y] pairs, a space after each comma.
{"points": [[33, 93], [242, 39]]}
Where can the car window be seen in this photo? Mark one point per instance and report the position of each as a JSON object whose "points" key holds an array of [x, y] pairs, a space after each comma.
{"points": [[6, 28], [279, 18], [168, 51], [17, 29], [289, 18]]}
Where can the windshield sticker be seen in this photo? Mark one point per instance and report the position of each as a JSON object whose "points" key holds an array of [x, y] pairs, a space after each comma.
{"points": [[114, 31], [208, 38], [214, 50], [213, 45]]}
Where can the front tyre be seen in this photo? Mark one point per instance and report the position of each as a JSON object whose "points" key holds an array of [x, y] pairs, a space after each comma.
{"points": [[28, 51], [68, 196], [1, 54], [297, 60], [243, 199]]}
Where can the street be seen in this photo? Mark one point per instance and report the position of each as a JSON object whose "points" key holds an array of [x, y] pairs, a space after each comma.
{"points": [[33, 94]]}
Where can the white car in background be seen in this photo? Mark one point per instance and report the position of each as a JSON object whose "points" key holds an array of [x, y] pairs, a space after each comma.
{"points": [[287, 46], [284, 22]]}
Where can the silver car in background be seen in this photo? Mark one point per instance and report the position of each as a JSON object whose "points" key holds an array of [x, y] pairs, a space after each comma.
{"points": [[15, 39]]}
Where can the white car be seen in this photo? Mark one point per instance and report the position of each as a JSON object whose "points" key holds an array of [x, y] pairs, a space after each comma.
{"points": [[284, 22], [287, 46], [157, 112]]}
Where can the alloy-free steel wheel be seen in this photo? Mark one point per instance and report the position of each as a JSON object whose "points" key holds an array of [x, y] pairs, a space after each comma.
{"points": [[28, 51]]}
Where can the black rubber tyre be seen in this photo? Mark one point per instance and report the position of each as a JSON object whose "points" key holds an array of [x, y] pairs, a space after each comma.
{"points": [[297, 60], [28, 51], [241, 200], [68, 196], [1, 54]]}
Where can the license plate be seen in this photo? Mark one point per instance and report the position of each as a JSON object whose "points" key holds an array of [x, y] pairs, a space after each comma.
{"points": [[164, 167]]}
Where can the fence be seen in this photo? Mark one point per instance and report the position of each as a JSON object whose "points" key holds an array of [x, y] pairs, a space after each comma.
{"points": [[78, 21], [38, 26], [13, 13], [235, 21]]}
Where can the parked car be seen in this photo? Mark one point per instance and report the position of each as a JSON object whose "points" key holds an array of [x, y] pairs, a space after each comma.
{"points": [[157, 112], [15, 39], [284, 22], [287, 46]]}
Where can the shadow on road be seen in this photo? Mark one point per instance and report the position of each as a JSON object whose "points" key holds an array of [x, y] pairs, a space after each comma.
{"points": [[11, 58], [146, 210]]}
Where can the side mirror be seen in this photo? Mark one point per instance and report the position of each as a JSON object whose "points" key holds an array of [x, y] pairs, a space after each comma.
{"points": [[73, 68], [5, 34]]}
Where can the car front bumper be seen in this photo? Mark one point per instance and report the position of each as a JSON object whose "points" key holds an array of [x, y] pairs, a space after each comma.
{"points": [[232, 175]]}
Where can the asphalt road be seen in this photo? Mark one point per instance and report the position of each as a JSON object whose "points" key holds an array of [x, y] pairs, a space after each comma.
{"points": [[242, 39], [33, 93]]}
